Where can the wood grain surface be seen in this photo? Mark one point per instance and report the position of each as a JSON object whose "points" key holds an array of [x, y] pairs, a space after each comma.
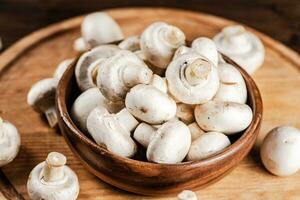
{"points": [[36, 57]]}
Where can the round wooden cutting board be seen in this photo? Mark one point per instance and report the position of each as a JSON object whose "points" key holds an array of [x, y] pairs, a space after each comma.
{"points": [[36, 56]]}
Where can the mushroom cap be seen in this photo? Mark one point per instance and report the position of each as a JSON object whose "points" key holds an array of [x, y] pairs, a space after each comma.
{"points": [[80, 45], [185, 113], [182, 50], [62, 67], [159, 82], [232, 85], [10, 142], [170, 143], [144, 133], [82, 70], [241, 46], [131, 43], [117, 74], [42, 94], [87, 101], [100, 28], [67, 188], [195, 130], [206, 145], [159, 41], [207, 48], [192, 79], [107, 130], [156, 107], [280, 151], [224, 117]]}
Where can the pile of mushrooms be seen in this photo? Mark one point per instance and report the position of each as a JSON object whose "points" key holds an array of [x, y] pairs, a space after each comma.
{"points": [[152, 91]]}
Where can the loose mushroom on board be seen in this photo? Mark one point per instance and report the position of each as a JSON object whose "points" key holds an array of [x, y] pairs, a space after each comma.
{"points": [[159, 41], [280, 151], [170, 143], [42, 98], [241, 46], [187, 195], [53, 180], [224, 117], [113, 130], [150, 104], [10, 142]]}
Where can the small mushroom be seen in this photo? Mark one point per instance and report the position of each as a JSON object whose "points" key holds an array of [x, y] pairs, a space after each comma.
{"points": [[42, 98], [87, 101], [149, 104], [131, 43], [159, 82], [232, 85], [88, 63], [207, 48], [170, 143], [159, 41], [195, 130], [224, 117], [62, 67], [100, 28], [280, 151], [241, 46], [144, 133], [206, 145], [187, 195], [119, 73], [185, 113], [53, 180], [10, 142], [192, 79], [113, 130], [81, 45]]}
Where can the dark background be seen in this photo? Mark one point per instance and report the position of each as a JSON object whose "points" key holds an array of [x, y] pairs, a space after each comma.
{"points": [[279, 19]]}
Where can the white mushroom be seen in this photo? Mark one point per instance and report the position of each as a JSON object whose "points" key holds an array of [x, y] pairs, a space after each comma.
{"points": [[187, 195], [241, 46], [88, 63], [42, 98], [113, 130], [159, 41], [206, 145], [195, 130], [182, 50], [192, 79], [117, 74], [100, 28], [232, 85], [10, 142], [159, 82], [170, 143], [280, 151], [224, 117], [131, 43], [207, 48], [185, 113], [81, 45], [89, 100], [62, 67], [144, 133], [149, 104], [53, 180]]}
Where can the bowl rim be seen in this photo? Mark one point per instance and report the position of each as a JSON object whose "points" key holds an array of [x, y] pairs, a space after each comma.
{"points": [[247, 135]]}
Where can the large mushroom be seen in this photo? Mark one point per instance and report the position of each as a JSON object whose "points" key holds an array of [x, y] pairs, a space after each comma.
{"points": [[192, 79], [53, 180], [10, 142], [113, 130]]}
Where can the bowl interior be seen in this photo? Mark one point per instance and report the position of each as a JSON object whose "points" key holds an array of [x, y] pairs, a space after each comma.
{"points": [[68, 91]]}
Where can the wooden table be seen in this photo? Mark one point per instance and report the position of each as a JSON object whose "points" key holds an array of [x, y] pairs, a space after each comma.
{"points": [[36, 57]]}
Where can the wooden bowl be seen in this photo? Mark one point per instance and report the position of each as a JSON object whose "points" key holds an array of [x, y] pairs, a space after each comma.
{"points": [[150, 178]]}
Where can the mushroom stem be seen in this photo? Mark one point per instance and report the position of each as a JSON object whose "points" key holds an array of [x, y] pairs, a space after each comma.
{"points": [[236, 36], [127, 120], [54, 167], [136, 74], [51, 116], [198, 71]]}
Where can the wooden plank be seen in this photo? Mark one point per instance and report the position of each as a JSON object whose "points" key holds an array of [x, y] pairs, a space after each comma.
{"points": [[36, 56]]}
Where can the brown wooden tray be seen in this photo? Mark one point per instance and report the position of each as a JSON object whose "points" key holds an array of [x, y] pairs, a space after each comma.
{"points": [[36, 56]]}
